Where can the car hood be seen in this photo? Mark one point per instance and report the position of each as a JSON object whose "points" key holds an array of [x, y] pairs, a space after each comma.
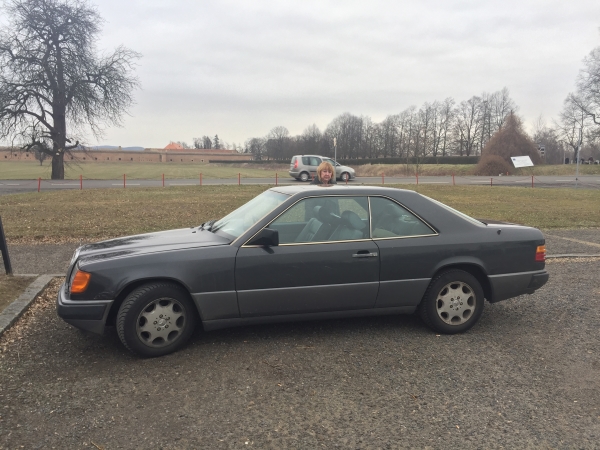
{"points": [[149, 243]]}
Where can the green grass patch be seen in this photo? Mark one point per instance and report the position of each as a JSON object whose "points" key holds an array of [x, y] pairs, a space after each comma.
{"points": [[27, 170], [11, 288], [73, 215]]}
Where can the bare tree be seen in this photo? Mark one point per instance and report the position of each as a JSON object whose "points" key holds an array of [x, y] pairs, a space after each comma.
{"points": [[467, 125], [51, 77], [256, 147], [573, 123], [588, 86], [277, 143]]}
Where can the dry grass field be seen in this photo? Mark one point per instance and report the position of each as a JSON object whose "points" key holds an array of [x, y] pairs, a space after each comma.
{"points": [[73, 215]]}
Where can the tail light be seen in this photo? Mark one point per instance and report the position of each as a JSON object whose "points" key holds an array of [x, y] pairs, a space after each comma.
{"points": [[80, 282], [296, 163], [540, 253]]}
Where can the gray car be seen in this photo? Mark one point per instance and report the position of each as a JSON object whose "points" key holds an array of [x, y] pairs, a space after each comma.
{"points": [[302, 253], [304, 167]]}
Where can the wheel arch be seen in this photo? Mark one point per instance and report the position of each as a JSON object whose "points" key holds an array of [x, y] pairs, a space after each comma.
{"points": [[472, 268], [133, 285]]}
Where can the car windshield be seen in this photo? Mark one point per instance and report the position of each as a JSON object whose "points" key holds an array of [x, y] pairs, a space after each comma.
{"points": [[237, 222]]}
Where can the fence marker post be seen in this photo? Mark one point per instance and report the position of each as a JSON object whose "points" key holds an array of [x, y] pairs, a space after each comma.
{"points": [[239, 179], [382, 178], [276, 179], [163, 179], [39, 183], [200, 178], [123, 181], [80, 182], [531, 180], [417, 174], [491, 181], [453, 180]]}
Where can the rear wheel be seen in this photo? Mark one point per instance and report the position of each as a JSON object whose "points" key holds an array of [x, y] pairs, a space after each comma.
{"points": [[345, 176], [453, 302], [156, 319], [304, 176]]}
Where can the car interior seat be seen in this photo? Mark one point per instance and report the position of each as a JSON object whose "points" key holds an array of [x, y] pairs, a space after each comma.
{"points": [[318, 227], [351, 227]]}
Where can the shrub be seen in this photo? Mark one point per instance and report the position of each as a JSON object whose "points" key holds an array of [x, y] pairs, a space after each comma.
{"points": [[493, 165]]}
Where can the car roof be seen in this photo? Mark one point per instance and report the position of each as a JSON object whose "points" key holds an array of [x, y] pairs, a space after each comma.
{"points": [[341, 189]]}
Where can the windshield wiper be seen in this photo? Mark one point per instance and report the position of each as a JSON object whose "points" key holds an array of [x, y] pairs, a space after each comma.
{"points": [[207, 225]]}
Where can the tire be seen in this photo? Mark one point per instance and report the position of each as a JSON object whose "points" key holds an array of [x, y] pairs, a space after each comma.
{"points": [[345, 176], [453, 302], [304, 176], [156, 319]]}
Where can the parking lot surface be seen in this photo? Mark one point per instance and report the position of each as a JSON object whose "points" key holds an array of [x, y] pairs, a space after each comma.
{"points": [[525, 377]]}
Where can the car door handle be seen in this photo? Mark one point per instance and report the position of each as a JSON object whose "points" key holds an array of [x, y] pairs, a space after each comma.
{"points": [[365, 255]]}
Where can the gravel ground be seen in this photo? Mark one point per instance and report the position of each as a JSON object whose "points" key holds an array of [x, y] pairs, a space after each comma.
{"points": [[525, 377]]}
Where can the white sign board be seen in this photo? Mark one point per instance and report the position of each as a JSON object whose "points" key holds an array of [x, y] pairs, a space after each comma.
{"points": [[521, 161]]}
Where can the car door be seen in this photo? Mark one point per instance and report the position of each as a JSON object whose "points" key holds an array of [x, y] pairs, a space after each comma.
{"points": [[408, 250], [325, 261]]}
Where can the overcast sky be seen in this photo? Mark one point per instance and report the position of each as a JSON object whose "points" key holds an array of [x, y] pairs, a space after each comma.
{"points": [[240, 68]]}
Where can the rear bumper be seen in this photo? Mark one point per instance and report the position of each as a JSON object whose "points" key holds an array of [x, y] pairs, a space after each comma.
{"points": [[88, 315], [511, 285]]}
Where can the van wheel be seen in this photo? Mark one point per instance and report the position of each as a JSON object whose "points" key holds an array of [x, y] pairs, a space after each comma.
{"points": [[304, 176], [345, 176]]}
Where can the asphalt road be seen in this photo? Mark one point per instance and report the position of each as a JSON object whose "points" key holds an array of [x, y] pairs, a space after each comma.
{"points": [[525, 377], [584, 182]]}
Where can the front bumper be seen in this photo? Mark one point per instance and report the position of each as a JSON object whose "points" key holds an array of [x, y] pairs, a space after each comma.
{"points": [[511, 285], [88, 315]]}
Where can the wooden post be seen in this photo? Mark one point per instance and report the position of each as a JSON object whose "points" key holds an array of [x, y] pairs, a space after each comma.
{"points": [[80, 182], [39, 184]]}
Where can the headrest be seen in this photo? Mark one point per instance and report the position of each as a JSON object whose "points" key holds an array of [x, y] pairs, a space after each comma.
{"points": [[354, 220]]}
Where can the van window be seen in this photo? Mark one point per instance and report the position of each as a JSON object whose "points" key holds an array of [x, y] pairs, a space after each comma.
{"points": [[311, 160]]}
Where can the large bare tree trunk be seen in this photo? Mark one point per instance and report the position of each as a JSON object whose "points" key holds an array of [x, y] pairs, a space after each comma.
{"points": [[58, 167]]}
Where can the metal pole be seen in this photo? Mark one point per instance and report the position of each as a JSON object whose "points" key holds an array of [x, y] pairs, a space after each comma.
{"points": [[4, 251], [577, 168], [335, 150]]}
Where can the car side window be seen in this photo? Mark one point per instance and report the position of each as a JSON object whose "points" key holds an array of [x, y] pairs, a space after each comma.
{"points": [[324, 219], [391, 220]]}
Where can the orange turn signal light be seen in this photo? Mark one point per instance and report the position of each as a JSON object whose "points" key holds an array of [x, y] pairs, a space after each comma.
{"points": [[80, 282], [540, 253]]}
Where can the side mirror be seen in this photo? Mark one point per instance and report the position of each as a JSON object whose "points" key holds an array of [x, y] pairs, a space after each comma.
{"points": [[267, 237]]}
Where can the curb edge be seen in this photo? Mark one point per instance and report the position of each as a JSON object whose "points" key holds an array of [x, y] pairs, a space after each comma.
{"points": [[12, 312]]}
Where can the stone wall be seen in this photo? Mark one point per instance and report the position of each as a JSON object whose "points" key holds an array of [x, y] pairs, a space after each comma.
{"points": [[148, 155]]}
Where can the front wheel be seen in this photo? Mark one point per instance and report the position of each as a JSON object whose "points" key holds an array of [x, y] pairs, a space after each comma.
{"points": [[156, 319], [345, 176], [453, 302]]}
